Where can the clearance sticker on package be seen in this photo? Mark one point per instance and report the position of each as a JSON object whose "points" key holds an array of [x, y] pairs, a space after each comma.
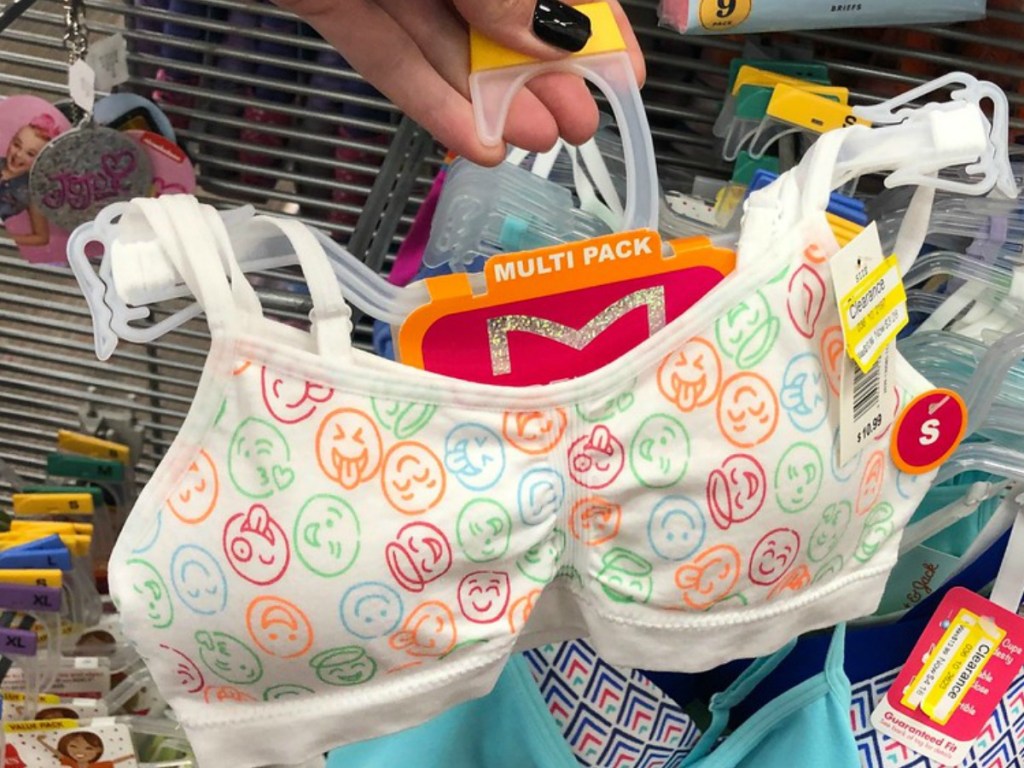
{"points": [[960, 668], [873, 313]]}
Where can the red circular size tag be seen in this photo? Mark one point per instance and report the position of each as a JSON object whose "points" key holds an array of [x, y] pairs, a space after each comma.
{"points": [[928, 431]]}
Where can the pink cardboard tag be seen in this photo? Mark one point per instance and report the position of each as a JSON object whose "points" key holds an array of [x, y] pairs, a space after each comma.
{"points": [[959, 670]]}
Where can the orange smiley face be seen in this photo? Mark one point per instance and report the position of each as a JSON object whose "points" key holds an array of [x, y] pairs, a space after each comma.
{"points": [[413, 478], [691, 377], [278, 627], [198, 491], [348, 447], [429, 631], [534, 432], [709, 576], [832, 348], [871, 483], [748, 410], [595, 521]]}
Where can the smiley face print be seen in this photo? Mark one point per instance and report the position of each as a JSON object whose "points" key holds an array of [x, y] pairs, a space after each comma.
{"points": [[676, 529], [348, 447], [595, 521], [475, 455], [150, 587], [625, 577], [484, 530], [540, 562], [429, 631], [371, 610], [259, 459], [832, 352], [748, 332], [541, 495], [871, 482], [413, 478], [659, 452], [534, 432], [327, 535], [748, 410], [289, 400], [878, 527], [709, 577], [419, 554], [187, 673], [805, 393], [228, 658], [737, 490], [773, 555], [256, 546], [798, 477], [691, 377], [198, 580], [596, 459], [829, 531], [278, 627], [346, 666], [805, 300], [484, 596], [198, 491], [403, 419]]}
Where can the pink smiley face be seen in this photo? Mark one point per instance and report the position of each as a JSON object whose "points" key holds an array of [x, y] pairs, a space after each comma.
{"points": [[806, 300], [256, 546], [737, 491], [419, 555], [595, 460], [691, 377], [348, 447], [871, 483], [291, 400], [774, 554], [484, 596], [189, 676], [748, 410], [413, 478]]}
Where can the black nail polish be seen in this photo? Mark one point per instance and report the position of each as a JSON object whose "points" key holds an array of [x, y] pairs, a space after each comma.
{"points": [[561, 25]]}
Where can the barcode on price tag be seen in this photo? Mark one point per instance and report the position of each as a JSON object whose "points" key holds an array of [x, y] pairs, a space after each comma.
{"points": [[872, 308]]}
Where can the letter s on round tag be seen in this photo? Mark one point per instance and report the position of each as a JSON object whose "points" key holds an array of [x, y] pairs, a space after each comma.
{"points": [[928, 431]]}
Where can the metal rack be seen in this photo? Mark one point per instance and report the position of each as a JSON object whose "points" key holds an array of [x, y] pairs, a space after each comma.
{"points": [[357, 169]]}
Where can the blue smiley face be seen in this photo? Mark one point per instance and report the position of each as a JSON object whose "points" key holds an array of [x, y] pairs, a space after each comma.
{"points": [[804, 394], [541, 495], [371, 610], [475, 454], [676, 528], [199, 580]]}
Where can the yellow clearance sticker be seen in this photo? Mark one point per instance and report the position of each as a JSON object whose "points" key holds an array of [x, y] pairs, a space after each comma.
{"points": [[720, 15], [873, 313]]}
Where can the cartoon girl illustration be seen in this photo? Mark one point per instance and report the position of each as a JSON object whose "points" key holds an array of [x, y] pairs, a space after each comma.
{"points": [[26, 144], [81, 749]]}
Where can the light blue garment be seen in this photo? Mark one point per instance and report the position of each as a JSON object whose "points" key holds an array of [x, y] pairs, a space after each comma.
{"points": [[510, 727], [806, 727]]}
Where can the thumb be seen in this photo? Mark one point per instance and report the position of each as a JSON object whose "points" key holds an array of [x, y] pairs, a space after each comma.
{"points": [[539, 28]]}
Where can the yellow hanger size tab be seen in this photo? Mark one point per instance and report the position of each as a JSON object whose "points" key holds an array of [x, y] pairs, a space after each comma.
{"points": [[38, 528], [52, 504], [754, 76], [34, 577], [87, 445], [843, 229], [810, 110], [605, 37]]}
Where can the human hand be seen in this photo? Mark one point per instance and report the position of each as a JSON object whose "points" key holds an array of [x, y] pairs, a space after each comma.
{"points": [[416, 52]]}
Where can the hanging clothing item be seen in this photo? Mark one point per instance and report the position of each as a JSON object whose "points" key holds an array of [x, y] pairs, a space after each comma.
{"points": [[337, 546], [805, 727], [510, 727]]}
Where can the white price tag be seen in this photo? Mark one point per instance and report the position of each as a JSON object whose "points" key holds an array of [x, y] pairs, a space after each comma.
{"points": [[109, 58], [82, 85]]}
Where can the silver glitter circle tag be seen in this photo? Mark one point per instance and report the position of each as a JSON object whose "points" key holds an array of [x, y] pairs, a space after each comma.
{"points": [[80, 173]]}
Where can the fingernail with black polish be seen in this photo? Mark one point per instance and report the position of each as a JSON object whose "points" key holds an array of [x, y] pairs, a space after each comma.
{"points": [[561, 25]]}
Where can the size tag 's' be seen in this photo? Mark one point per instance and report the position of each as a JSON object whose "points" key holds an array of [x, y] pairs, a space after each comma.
{"points": [[863, 286]]}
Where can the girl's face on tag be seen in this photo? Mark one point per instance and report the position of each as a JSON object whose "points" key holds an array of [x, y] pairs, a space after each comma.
{"points": [[23, 149]]}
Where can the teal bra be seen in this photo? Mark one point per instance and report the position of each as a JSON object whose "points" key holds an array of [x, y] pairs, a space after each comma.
{"points": [[806, 727], [510, 727]]}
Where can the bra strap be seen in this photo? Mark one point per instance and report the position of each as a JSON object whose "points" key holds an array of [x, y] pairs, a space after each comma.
{"points": [[331, 318]]}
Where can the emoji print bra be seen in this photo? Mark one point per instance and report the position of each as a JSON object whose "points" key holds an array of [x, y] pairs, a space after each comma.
{"points": [[337, 546]]}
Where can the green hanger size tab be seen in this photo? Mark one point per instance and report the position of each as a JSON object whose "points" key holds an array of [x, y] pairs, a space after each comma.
{"points": [[84, 467]]}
